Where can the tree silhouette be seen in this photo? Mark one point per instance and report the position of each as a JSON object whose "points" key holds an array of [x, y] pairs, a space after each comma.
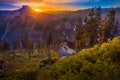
{"points": [[48, 43], [79, 35], [28, 45]]}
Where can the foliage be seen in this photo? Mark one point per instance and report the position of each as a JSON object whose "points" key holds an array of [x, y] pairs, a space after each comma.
{"points": [[97, 63]]}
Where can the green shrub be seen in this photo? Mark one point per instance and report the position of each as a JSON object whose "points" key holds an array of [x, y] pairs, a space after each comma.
{"points": [[97, 63]]}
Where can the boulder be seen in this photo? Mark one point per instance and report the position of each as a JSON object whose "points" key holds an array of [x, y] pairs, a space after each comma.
{"points": [[65, 51]]}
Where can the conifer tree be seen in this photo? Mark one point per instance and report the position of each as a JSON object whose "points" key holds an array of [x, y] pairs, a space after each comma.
{"points": [[110, 23], [28, 45], [102, 31], [48, 44], [15, 46], [98, 22], [107, 27], [79, 35], [91, 29], [116, 29], [40, 45], [92, 13], [98, 15]]}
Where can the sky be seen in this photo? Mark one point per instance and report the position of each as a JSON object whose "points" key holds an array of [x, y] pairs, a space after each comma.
{"points": [[57, 5]]}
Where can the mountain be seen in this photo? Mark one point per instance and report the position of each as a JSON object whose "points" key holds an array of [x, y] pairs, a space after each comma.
{"points": [[26, 22]]}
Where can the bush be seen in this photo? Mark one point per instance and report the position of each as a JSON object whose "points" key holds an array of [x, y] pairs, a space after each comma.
{"points": [[97, 63]]}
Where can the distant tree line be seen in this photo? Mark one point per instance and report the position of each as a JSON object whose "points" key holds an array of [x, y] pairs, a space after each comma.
{"points": [[28, 45]]}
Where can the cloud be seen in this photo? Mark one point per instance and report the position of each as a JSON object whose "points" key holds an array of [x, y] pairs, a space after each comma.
{"points": [[65, 1], [61, 4], [47, 1]]}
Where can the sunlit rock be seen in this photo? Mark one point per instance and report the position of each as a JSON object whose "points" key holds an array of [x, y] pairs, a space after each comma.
{"points": [[65, 51]]}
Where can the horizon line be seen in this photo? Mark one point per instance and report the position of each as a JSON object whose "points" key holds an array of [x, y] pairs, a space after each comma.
{"points": [[14, 9]]}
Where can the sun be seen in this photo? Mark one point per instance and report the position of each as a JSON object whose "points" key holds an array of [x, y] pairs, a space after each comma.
{"points": [[37, 10]]}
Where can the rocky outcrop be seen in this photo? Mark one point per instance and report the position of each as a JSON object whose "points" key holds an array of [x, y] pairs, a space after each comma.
{"points": [[65, 50]]}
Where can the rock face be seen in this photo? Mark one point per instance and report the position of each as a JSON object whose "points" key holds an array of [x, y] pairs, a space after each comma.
{"points": [[24, 22], [65, 51]]}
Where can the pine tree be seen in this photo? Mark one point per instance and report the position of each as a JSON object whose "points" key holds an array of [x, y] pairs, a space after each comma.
{"points": [[99, 15], [28, 45], [108, 27], [48, 43], [79, 35], [98, 21], [40, 46], [91, 29], [116, 29], [16, 44], [102, 31], [110, 23], [49, 40], [24, 42], [92, 13]]}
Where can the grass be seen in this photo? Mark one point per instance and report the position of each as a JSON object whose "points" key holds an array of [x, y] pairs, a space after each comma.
{"points": [[20, 67]]}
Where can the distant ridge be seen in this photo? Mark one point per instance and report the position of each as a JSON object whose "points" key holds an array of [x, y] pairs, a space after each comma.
{"points": [[18, 23]]}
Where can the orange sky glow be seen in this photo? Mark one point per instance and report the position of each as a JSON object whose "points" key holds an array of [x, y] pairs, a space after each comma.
{"points": [[57, 5], [51, 7]]}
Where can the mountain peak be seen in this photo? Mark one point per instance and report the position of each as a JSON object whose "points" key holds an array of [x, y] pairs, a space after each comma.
{"points": [[25, 8]]}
